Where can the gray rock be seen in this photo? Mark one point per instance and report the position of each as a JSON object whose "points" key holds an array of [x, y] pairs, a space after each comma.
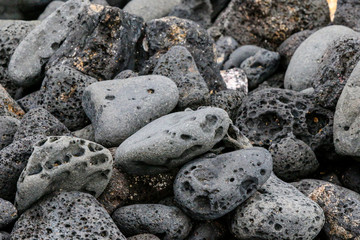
{"points": [[277, 211], [8, 213], [304, 64], [65, 164], [29, 101], [169, 222], [126, 74], [50, 8], [31, 55], [207, 231], [235, 79], [347, 11], [240, 55], [308, 91], [38, 121], [172, 140], [87, 133], [179, 65], [341, 207], [118, 108], [224, 47], [8, 128], [210, 187], [260, 67], [66, 215], [4, 236], [230, 100], [293, 159], [144, 236], [151, 9], [13, 159], [8, 106]]}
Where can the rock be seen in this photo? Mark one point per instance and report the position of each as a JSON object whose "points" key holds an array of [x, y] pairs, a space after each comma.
{"points": [[50, 8], [144, 237], [346, 119], [337, 63], [340, 205], [224, 47], [235, 79], [66, 215], [119, 108], [210, 187], [10, 37], [351, 177], [29, 101], [275, 81], [4, 236], [208, 231], [240, 55], [65, 164], [198, 11], [8, 128], [229, 100], [289, 46], [293, 159], [218, 6], [8, 213], [169, 222], [330, 177], [347, 11], [253, 22], [260, 67], [172, 140], [277, 211], [150, 9], [9, 10], [126, 74], [86, 133], [178, 65], [8, 106], [269, 115], [162, 34], [13, 159], [38, 121], [304, 64]]}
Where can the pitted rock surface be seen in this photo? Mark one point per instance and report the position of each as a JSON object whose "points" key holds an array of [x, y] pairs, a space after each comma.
{"points": [[8, 128], [8, 106], [230, 100], [210, 187], [4, 236], [169, 222], [66, 215], [179, 65], [172, 140], [8, 213], [29, 101], [63, 164], [277, 211], [119, 108]]}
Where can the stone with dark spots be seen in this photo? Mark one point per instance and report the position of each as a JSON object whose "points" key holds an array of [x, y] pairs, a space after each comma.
{"points": [[241, 54], [347, 13], [210, 187], [351, 177], [8, 128], [8, 213], [210, 230], [230, 100], [253, 22], [145, 236], [66, 215], [224, 47], [29, 101], [8, 106], [340, 205]]}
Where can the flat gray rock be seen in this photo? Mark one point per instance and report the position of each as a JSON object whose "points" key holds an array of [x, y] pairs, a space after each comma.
{"points": [[63, 164], [172, 140], [277, 211], [118, 108], [8, 128], [8, 213], [210, 187]]}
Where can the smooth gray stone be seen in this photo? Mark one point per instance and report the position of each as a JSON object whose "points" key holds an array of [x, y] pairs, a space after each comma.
{"points": [[151, 9], [8, 128], [39, 45], [8, 213], [66, 215], [305, 62], [240, 54], [63, 164], [170, 222], [277, 211], [210, 187], [224, 47], [118, 108], [51, 7], [172, 140]]}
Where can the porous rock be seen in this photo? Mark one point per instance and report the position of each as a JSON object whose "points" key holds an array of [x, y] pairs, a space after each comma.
{"points": [[210, 187], [8, 213], [240, 55], [145, 236], [224, 47], [8, 106], [65, 164], [230, 100], [29, 101], [172, 140], [4, 236], [347, 11], [8, 128]]}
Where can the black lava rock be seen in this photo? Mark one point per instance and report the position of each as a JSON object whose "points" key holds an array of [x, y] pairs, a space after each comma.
{"points": [[347, 13], [8, 128]]}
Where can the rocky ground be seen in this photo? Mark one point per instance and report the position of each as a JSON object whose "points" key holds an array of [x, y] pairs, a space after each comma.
{"points": [[180, 119]]}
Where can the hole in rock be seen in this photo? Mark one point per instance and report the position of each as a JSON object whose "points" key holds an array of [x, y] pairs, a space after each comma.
{"points": [[110, 97], [151, 91]]}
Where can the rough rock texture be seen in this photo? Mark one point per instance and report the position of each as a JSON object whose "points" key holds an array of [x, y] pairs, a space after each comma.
{"points": [[268, 115], [126, 74], [38, 121], [347, 13], [86, 133], [162, 34], [29, 101], [269, 23], [8, 128], [337, 63], [277, 211], [8, 213], [65, 164], [172, 140], [4, 236], [66, 215], [293, 159], [13, 159], [208, 231], [224, 47], [240, 55], [168, 222], [50, 8], [210, 187], [305, 63], [235, 79], [144, 236], [8, 106], [119, 108], [350, 178], [341, 207], [229, 100], [178, 65]]}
